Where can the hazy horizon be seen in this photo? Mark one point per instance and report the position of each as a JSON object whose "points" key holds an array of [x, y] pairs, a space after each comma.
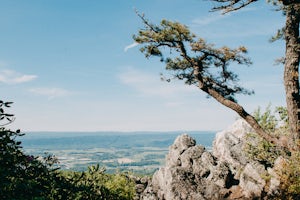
{"points": [[73, 65]]}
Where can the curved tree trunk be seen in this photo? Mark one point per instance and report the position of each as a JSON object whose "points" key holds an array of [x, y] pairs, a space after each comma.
{"points": [[246, 116], [291, 70], [238, 109]]}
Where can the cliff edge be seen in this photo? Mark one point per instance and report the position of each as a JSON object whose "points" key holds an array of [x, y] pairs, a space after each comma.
{"points": [[193, 173]]}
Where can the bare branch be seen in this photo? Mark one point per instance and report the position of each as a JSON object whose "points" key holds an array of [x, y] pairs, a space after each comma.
{"points": [[231, 5]]}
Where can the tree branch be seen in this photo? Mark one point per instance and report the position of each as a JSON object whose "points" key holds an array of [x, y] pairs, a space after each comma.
{"points": [[240, 111], [232, 5], [207, 70]]}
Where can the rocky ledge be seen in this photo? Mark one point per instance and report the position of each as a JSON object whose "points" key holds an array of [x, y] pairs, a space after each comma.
{"points": [[193, 173]]}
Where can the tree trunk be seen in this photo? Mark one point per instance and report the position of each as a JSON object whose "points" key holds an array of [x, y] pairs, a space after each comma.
{"points": [[246, 116], [240, 111], [291, 70]]}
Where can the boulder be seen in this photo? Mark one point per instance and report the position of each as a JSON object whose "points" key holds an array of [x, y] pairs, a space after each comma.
{"points": [[192, 172], [252, 180], [228, 144]]}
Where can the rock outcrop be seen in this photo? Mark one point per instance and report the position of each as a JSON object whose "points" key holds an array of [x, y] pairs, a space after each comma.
{"points": [[193, 173]]}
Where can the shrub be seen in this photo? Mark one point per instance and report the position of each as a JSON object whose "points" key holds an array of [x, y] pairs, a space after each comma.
{"points": [[27, 177], [266, 153], [275, 123], [290, 176], [96, 184], [21, 176]]}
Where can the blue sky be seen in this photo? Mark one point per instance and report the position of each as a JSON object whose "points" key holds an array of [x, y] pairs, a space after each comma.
{"points": [[70, 65]]}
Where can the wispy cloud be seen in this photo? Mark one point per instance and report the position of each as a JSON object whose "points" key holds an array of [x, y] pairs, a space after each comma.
{"points": [[218, 16], [50, 92], [13, 77], [149, 84], [211, 18], [131, 46], [235, 24]]}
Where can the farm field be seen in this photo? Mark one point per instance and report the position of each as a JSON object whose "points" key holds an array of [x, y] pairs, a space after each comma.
{"points": [[138, 152]]}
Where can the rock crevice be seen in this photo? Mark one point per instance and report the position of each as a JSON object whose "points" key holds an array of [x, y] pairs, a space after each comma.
{"points": [[193, 173]]}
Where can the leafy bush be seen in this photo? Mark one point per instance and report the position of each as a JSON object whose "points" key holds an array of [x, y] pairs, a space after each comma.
{"points": [[266, 153], [290, 177], [275, 123], [261, 150], [21, 176], [96, 184], [27, 177]]}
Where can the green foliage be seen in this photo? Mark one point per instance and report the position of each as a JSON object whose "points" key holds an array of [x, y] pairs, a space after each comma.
{"points": [[21, 176], [27, 177], [266, 153], [96, 184], [261, 150], [275, 123], [193, 60], [3, 115], [119, 184], [290, 177], [267, 120]]}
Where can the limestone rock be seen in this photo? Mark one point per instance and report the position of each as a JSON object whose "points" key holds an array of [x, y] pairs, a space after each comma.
{"points": [[181, 144], [228, 144], [275, 173], [190, 173], [251, 180], [193, 173]]}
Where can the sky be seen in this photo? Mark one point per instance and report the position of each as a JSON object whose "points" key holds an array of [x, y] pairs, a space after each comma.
{"points": [[72, 65]]}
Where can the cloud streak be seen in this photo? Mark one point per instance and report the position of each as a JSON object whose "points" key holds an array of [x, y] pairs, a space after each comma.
{"points": [[218, 16], [13, 77], [235, 24], [51, 93], [130, 46], [209, 19]]}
